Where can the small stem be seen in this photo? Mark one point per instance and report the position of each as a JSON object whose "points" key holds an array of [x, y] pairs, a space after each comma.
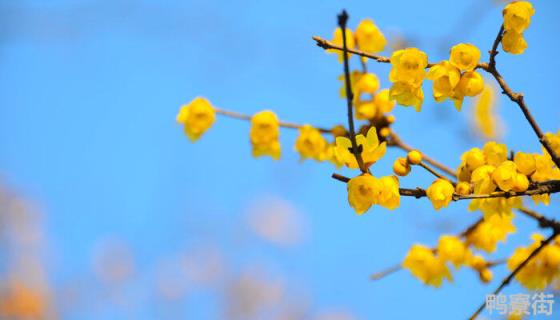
{"points": [[342, 19], [433, 172], [284, 124]]}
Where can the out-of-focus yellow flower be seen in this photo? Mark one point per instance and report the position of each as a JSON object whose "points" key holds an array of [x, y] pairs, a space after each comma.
{"points": [[496, 206], [486, 120], [426, 266], [197, 116], [517, 16], [505, 175], [389, 197], [337, 39], [363, 192], [445, 78], [367, 83], [489, 232], [452, 249], [471, 84], [407, 94], [365, 110], [372, 150], [544, 169], [369, 38], [440, 193], [495, 153], [540, 271], [541, 198], [310, 143], [408, 66], [383, 102], [482, 181], [264, 134], [464, 56], [486, 275], [554, 141], [330, 156], [513, 42]]}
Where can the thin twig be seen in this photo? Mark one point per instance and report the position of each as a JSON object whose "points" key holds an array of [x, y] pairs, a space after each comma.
{"points": [[508, 279], [284, 124], [326, 44], [342, 19], [433, 172]]}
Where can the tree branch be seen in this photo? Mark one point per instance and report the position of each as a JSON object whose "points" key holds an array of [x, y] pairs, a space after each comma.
{"points": [[342, 19], [284, 124]]}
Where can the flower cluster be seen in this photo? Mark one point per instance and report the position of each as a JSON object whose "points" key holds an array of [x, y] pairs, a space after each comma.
{"points": [[407, 74], [517, 17], [543, 270], [456, 78]]}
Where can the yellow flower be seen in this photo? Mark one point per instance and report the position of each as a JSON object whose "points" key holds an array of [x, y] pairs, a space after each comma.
{"points": [[541, 198], [489, 232], [445, 77], [513, 42], [310, 143], [264, 134], [554, 141], [407, 94], [440, 193], [389, 197], [330, 156], [540, 271], [517, 16], [197, 117], [452, 249], [471, 84], [363, 192], [414, 157], [486, 120], [464, 56], [372, 150], [337, 39], [474, 158], [525, 163], [383, 102], [426, 266], [481, 178], [544, 169], [505, 175], [369, 38], [367, 83], [521, 183], [365, 110], [408, 65], [496, 206], [495, 153]]}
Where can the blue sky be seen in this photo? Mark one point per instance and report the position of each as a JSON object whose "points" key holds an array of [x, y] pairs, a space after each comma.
{"points": [[88, 96]]}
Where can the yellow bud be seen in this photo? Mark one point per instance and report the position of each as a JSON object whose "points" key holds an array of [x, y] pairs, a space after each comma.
{"points": [[478, 262], [463, 188], [401, 167], [471, 84], [391, 119], [485, 275], [521, 183], [338, 131], [414, 157], [385, 132], [505, 175], [474, 158]]}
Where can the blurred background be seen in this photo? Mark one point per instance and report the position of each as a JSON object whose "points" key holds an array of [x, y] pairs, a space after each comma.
{"points": [[108, 212]]}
